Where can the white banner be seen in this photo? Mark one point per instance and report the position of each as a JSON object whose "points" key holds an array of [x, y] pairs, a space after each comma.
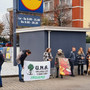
{"points": [[36, 70]]}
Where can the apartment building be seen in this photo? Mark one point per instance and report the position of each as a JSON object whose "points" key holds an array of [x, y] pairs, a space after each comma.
{"points": [[75, 12]]}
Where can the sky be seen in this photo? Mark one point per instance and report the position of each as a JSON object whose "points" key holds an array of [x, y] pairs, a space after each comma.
{"points": [[4, 4]]}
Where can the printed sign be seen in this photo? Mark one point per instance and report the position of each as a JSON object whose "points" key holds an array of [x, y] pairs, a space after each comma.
{"points": [[36, 70], [28, 20], [8, 54], [31, 5], [64, 66]]}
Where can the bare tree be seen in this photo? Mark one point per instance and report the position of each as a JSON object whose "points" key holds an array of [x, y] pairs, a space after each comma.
{"points": [[1, 27], [8, 22], [62, 14]]}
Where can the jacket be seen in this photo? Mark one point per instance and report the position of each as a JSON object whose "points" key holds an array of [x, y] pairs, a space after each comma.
{"points": [[47, 56], [79, 60], [1, 58], [87, 57], [72, 56], [57, 59], [21, 57]]}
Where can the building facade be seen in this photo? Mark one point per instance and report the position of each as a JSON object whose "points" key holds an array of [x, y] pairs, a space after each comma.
{"points": [[75, 10]]}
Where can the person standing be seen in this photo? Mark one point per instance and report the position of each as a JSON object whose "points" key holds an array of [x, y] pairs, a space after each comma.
{"points": [[20, 61], [47, 56], [72, 58], [59, 54], [88, 58], [1, 62], [81, 60]]}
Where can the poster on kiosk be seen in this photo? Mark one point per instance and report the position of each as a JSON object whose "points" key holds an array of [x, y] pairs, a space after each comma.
{"points": [[38, 70]]}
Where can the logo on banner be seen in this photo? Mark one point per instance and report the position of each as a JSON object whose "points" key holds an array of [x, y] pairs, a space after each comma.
{"points": [[30, 69]]}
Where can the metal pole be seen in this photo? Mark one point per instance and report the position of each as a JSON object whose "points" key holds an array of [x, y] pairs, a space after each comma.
{"points": [[49, 39], [14, 32], [61, 12]]}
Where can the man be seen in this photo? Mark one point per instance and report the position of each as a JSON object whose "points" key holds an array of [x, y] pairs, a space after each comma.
{"points": [[59, 54], [20, 61], [72, 60], [1, 62]]}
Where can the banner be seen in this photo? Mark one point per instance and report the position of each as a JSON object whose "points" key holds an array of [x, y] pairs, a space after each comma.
{"points": [[36, 70], [64, 67]]}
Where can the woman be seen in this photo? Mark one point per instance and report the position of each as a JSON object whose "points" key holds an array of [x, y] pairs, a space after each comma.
{"points": [[81, 60], [88, 58], [47, 56], [59, 54]]}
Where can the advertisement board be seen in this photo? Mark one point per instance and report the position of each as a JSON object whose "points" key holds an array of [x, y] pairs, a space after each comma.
{"points": [[35, 6], [28, 20]]}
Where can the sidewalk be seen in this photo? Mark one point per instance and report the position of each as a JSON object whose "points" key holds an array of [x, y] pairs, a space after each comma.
{"points": [[68, 83]]}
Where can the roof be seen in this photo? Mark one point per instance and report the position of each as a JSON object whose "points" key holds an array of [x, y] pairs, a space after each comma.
{"points": [[52, 28]]}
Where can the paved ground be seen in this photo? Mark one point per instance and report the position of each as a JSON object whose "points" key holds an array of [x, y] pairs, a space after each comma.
{"points": [[68, 83]]}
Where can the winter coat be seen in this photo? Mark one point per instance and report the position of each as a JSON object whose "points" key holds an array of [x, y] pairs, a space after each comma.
{"points": [[87, 56], [1, 58], [47, 56], [72, 56], [21, 57], [57, 59], [79, 60]]}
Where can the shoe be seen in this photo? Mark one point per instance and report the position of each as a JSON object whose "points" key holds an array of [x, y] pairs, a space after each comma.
{"points": [[61, 77], [21, 80], [1, 86], [72, 75], [56, 76]]}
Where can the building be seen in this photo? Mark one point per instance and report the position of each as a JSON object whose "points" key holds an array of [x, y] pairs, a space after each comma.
{"points": [[86, 15], [75, 10]]}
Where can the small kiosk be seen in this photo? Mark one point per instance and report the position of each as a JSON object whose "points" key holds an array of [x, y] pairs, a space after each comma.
{"points": [[37, 39]]}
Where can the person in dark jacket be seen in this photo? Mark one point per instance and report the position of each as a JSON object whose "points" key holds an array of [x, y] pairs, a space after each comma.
{"points": [[59, 54], [88, 58], [72, 58], [1, 62], [81, 60], [20, 61]]}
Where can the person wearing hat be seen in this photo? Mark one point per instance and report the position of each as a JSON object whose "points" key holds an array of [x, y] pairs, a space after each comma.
{"points": [[59, 54]]}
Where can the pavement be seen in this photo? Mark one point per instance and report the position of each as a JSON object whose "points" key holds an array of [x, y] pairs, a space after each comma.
{"points": [[67, 83]]}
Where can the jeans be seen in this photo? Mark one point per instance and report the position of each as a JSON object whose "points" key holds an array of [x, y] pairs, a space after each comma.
{"points": [[72, 67], [80, 69], [0, 76], [58, 73], [20, 70]]}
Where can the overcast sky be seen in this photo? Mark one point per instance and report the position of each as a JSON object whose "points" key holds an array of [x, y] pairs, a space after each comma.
{"points": [[4, 4]]}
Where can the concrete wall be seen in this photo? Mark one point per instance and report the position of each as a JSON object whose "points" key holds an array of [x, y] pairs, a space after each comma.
{"points": [[65, 41], [36, 42]]}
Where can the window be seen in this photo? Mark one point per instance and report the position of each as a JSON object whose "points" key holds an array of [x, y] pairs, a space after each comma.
{"points": [[67, 2], [48, 5]]}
